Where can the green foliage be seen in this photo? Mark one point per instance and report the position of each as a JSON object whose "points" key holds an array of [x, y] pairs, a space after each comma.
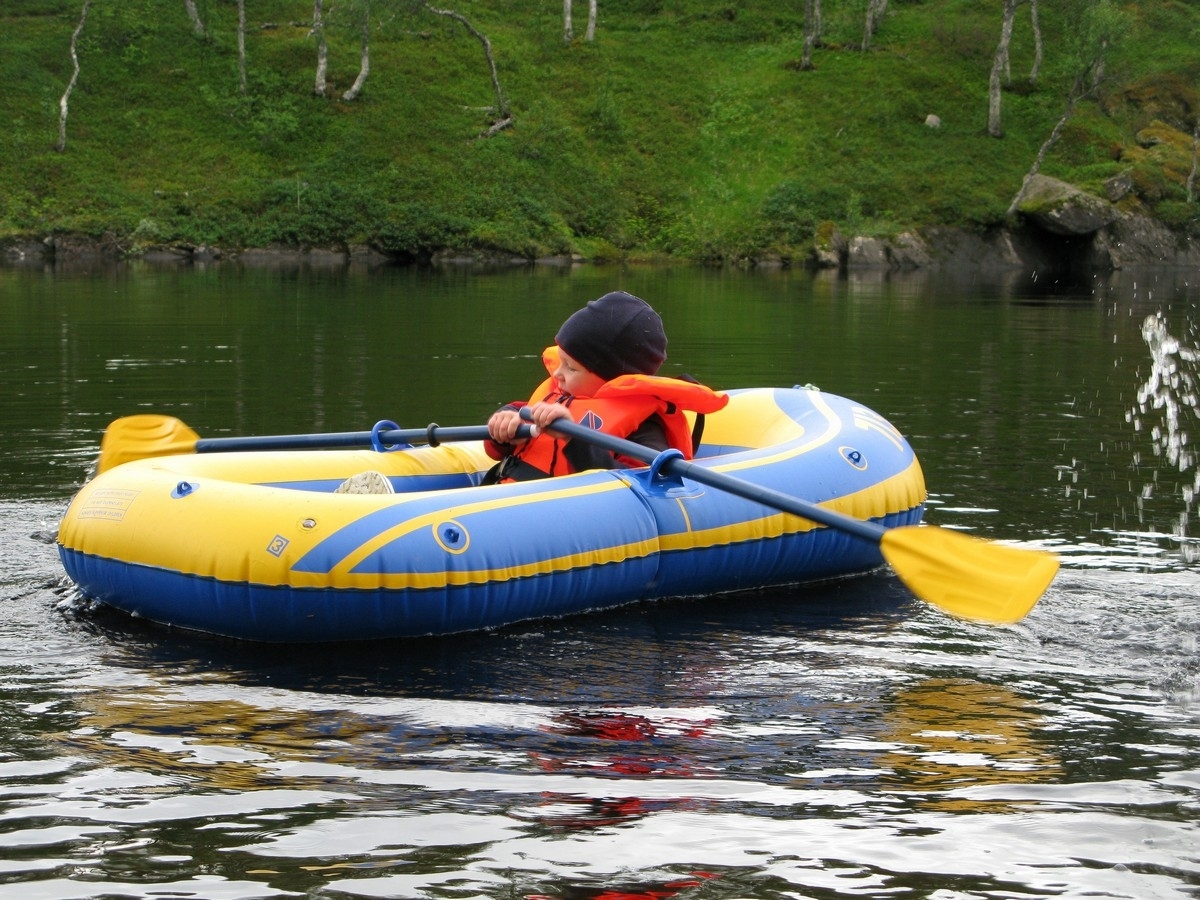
{"points": [[266, 112], [1099, 26], [416, 230], [794, 209], [1180, 215], [684, 129]]}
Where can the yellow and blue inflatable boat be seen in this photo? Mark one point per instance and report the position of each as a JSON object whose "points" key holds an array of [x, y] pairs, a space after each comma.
{"points": [[257, 546]]}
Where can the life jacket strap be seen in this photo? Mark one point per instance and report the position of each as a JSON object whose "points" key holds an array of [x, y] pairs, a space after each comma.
{"points": [[512, 468]]}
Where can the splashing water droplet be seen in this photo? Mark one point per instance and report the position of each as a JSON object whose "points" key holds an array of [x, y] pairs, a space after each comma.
{"points": [[1170, 398]]}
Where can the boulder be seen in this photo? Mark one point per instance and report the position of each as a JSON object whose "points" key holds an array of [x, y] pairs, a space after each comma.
{"points": [[1062, 208], [829, 247], [1119, 187], [867, 251], [966, 249], [908, 251]]}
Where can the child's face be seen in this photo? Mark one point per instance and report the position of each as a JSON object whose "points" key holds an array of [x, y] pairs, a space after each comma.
{"points": [[574, 379]]}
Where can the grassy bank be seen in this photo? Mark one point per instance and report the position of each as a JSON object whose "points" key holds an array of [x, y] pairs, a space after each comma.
{"points": [[685, 129]]}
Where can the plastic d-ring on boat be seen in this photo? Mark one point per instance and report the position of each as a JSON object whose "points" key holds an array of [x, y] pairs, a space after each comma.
{"points": [[656, 473], [377, 443], [183, 489]]}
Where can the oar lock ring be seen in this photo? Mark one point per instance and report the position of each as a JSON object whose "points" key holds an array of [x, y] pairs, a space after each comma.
{"points": [[377, 440], [656, 473]]}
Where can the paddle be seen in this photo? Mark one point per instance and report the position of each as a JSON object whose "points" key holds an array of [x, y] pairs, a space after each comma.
{"points": [[961, 575], [146, 435]]}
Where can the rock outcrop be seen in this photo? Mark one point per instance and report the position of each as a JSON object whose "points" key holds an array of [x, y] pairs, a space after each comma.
{"points": [[1062, 208], [1134, 240]]}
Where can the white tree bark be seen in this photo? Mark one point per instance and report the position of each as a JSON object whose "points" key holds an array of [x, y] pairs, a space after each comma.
{"points": [[811, 25], [590, 34], [241, 45], [320, 84], [1085, 84], [1072, 98], [503, 114], [197, 25], [66, 97], [364, 67], [1036, 68], [875, 11], [999, 66], [568, 29], [1100, 65]]}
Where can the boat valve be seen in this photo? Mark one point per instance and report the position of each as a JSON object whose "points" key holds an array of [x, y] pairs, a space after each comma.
{"points": [[854, 457]]}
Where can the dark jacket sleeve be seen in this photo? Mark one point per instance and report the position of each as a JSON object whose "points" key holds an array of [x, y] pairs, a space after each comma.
{"points": [[581, 455]]}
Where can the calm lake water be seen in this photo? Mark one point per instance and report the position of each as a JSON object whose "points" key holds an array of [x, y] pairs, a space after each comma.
{"points": [[838, 741]]}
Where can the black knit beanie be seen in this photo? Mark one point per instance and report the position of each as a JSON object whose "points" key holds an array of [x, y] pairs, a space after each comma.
{"points": [[617, 334]]}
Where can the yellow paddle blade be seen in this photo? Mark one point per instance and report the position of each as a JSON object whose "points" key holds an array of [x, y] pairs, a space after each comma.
{"points": [[968, 577], [137, 437]]}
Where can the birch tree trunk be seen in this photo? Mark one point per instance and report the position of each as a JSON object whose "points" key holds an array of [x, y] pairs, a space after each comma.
{"points": [[1092, 61], [568, 29], [197, 25], [66, 97], [590, 34], [1036, 69], [320, 85], [1101, 65], [999, 66], [1072, 98], [364, 67], [241, 44], [810, 37], [875, 11], [503, 115]]}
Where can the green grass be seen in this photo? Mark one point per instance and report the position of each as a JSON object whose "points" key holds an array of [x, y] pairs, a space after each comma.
{"points": [[686, 129]]}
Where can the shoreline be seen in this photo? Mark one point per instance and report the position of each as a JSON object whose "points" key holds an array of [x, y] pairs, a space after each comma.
{"points": [[1129, 241]]}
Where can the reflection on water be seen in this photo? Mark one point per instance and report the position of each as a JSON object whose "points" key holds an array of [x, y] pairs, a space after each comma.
{"points": [[953, 730], [841, 740], [845, 741]]}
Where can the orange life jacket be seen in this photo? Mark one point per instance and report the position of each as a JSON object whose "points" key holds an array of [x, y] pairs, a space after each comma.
{"points": [[618, 407]]}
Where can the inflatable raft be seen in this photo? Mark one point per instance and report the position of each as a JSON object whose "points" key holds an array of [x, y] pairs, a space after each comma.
{"points": [[257, 546]]}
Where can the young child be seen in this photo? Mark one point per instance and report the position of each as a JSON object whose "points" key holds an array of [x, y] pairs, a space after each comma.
{"points": [[602, 374]]}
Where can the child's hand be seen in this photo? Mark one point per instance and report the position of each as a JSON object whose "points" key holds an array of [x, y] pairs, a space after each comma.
{"points": [[544, 414], [503, 425]]}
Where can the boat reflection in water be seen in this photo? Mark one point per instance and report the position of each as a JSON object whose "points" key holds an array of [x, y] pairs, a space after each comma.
{"points": [[954, 737]]}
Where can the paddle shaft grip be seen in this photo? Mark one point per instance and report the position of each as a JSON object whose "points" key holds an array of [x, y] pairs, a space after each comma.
{"points": [[433, 434]]}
